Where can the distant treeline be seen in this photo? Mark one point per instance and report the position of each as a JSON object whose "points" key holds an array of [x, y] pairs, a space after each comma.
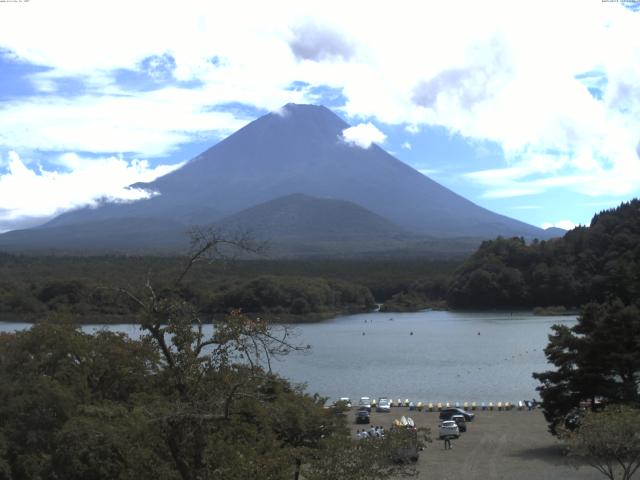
{"points": [[589, 264], [91, 288]]}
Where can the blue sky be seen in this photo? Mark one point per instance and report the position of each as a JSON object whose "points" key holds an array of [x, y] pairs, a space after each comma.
{"points": [[530, 114]]}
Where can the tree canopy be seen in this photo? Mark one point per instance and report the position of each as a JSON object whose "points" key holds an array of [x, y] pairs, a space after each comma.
{"points": [[175, 404], [588, 264], [596, 359], [609, 441]]}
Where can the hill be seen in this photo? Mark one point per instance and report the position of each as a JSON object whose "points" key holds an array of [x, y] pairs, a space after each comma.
{"points": [[587, 264], [299, 216]]}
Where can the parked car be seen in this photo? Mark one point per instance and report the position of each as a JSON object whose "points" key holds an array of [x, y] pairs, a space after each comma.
{"points": [[363, 416], [460, 421], [448, 429], [365, 402], [447, 413], [384, 405]]}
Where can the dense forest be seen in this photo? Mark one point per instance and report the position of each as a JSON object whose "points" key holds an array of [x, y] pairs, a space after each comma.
{"points": [[76, 406], [175, 404], [588, 264], [90, 288]]}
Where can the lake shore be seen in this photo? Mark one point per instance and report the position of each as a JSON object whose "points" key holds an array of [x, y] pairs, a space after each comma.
{"points": [[408, 355], [497, 445], [131, 319]]}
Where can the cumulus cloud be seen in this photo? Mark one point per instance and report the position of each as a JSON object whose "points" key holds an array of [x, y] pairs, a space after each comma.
{"points": [[314, 42], [159, 67], [478, 75], [149, 124], [363, 135], [564, 224], [541, 172], [406, 146], [32, 192]]}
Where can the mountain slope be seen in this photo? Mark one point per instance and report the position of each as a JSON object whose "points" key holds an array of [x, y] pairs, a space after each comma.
{"points": [[298, 150], [301, 151], [111, 235], [304, 217]]}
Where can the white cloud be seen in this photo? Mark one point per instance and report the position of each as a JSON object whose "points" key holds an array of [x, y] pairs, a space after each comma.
{"points": [[150, 124], [363, 135], [414, 63], [564, 224], [406, 146], [316, 42], [539, 173], [37, 192]]}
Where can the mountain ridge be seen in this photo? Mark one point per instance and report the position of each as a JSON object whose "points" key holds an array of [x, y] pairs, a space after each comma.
{"points": [[299, 150]]}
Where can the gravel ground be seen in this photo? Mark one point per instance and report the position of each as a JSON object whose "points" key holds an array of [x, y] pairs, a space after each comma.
{"points": [[497, 445]]}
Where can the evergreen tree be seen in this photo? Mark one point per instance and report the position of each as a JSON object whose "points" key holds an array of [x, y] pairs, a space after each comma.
{"points": [[597, 358]]}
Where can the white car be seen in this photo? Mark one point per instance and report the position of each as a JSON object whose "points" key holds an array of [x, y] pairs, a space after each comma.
{"points": [[365, 402], [384, 405], [346, 401], [448, 429]]}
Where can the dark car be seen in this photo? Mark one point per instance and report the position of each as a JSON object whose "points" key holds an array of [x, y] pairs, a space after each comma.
{"points": [[460, 421], [363, 416], [447, 413]]}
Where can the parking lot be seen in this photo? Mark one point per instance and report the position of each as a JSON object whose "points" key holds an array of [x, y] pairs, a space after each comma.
{"points": [[497, 445]]}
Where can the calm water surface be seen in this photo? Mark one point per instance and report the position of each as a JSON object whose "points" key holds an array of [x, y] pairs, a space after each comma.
{"points": [[451, 356]]}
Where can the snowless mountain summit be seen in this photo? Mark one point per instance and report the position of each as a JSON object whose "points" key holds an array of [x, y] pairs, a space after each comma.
{"points": [[297, 150]]}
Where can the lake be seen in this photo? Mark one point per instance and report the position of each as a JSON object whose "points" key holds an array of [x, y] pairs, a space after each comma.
{"points": [[451, 356]]}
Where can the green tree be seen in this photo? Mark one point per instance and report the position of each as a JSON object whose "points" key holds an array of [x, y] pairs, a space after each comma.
{"points": [[597, 358], [221, 386], [54, 380], [177, 404], [609, 441]]}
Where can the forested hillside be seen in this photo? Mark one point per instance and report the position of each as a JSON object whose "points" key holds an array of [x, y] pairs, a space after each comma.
{"points": [[89, 288], [588, 264]]}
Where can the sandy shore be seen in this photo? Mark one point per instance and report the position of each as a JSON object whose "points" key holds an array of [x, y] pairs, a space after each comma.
{"points": [[497, 445]]}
